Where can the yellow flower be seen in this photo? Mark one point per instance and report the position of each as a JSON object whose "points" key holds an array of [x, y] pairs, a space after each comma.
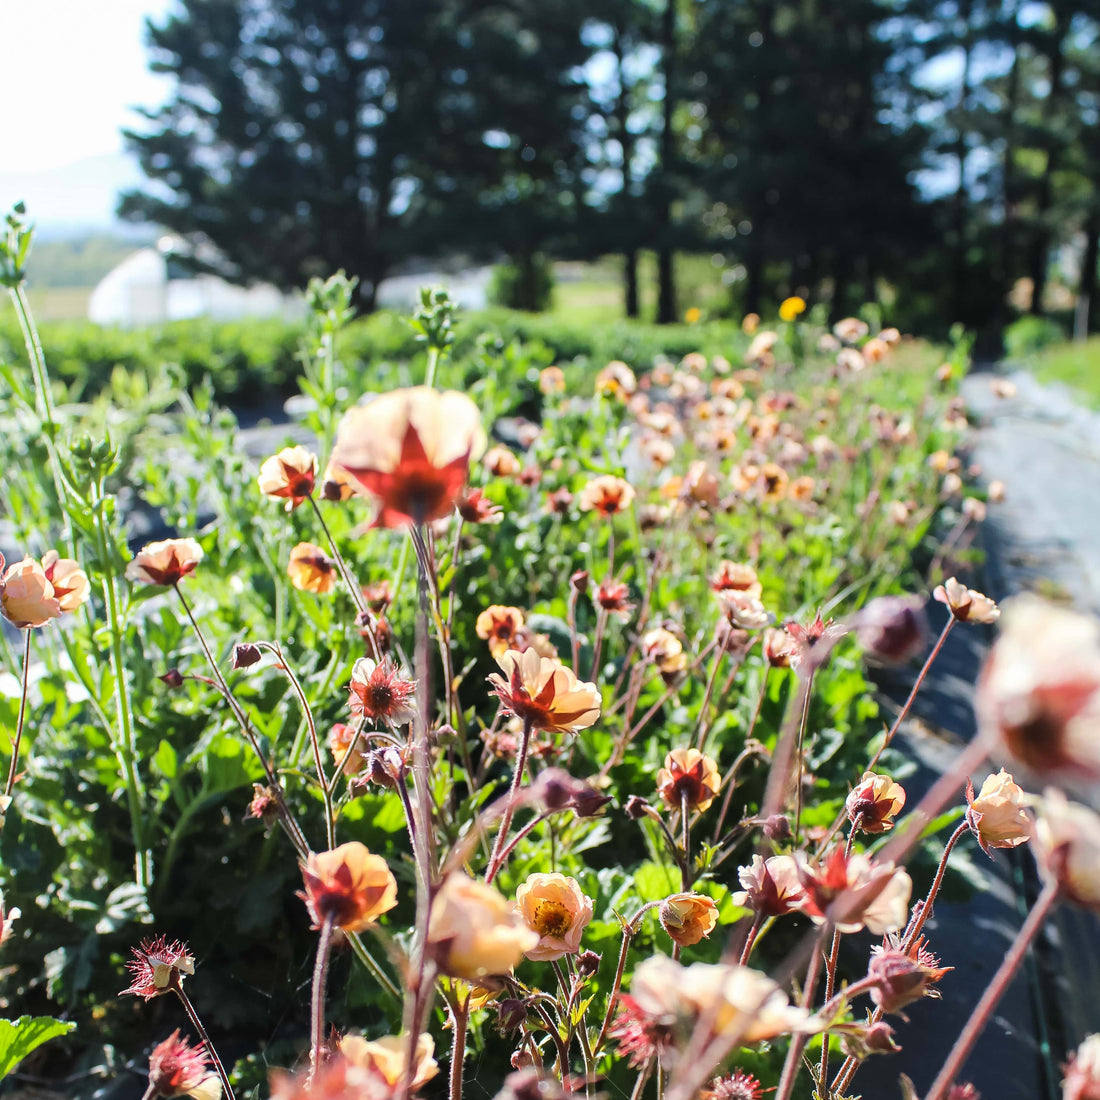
{"points": [[693, 315], [791, 308], [688, 918], [554, 906], [349, 886], [474, 931]]}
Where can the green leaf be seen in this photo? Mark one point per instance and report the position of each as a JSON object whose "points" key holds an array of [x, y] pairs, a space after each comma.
{"points": [[19, 1037], [166, 760]]}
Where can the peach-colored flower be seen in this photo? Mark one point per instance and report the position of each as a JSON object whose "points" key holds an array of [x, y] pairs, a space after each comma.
{"points": [[736, 999], [850, 330], [70, 583], [499, 626], [338, 484], [688, 918], [616, 380], [689, 774], [998, 817], [665, 650], [289, 475], [607, 495], [380, 693], [1082, 1079], [310, 569], [1039, 692], [26, 595], [850, 360], [779, 648], [736, 576], [700, 485], [772, 887], [341, 738], [474, 931], [874, 803], [875, 896], [349, 886], [551, 380], [875, 350], [411, 449], [501, 462], [545, 694], [554, 906], [388, 1058], [1067, 843], [759, 352], [176, 1068], [967, 605], [750, 323], [164, 563], [744, 610]]}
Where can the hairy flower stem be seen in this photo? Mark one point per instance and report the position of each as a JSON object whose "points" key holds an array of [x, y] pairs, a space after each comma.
{"points": [[318, 760], [750, 939], [686, 876], [794, 1051], [800, 758], [729, 782], [571, 622], [917, 924], [496, 859], [196, 1023], [630, 927], [830, 985], [286, 818], [994, 992], [460, 1019], [124, 742], [317, 1002], [12, 771], [704, 725]]}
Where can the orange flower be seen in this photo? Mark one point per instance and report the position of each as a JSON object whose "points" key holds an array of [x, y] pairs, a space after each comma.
{"points": [[687, 772], [70, 583], [874, 803], [380, 693], [997, 817], [555, 907], [26, 595], [499, 626], [474, 931], [388, 1058], [551, 380], [967, 605], [338, 484], [544, 693], [411, 449], [606, 495], [310, 569], [164, 563], [349, 886], [875, 350], [688, 918], [290, 474], [750, 323], [774, 481]]}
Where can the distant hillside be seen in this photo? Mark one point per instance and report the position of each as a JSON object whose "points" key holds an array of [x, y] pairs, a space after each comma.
{"points": [[76, 261]]}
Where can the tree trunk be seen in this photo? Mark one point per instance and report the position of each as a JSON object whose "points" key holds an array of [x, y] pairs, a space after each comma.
{"points": [[626, 148], [527, 286], [960, 205], [842, 276], [666, 288], [1086, 291], [1040, 248], [1011, 197], [754, 274]]}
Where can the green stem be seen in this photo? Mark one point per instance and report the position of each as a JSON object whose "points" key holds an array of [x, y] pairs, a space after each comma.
{"points": [[372, 965], [124, 743], [10, 786]]}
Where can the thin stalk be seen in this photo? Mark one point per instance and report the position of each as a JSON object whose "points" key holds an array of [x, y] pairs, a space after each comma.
{"points": [[196, 1023], [371, 964], [926, 909], [830, 985], [704, 725], [800, 757], [285, 816], [10, 785], [846, 994], [496, 858], [317, 1002], [794, 1051], [685, 842], [125, 742], [326, 787], [994, 992], [571, 622], [750, 940], [460, 1019]]}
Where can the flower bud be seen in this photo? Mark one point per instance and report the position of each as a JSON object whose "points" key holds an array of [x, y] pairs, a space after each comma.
{"points": [[245, 654], [688, 918], [587, 964], [579, 582], [777, 828], [997, 816], [892, 629], [511, 1014], [637, 807], [173, 678]]}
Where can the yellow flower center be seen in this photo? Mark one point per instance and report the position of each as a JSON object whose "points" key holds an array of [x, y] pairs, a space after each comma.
{"points": [[551, 918]]}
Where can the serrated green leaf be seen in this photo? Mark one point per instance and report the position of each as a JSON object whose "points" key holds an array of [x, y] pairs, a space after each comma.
{"points": [[19, 1037]]}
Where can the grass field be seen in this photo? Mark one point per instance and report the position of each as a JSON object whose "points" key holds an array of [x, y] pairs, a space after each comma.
{"points": [[1074, 365], [60, 303]]}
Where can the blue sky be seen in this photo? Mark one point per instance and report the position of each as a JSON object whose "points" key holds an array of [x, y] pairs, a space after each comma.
{"points": [[72, 69]]}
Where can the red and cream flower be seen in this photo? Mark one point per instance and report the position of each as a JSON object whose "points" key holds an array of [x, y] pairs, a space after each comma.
{"points": [[176, 1068], [310, 569], [165, 563], [874, 803], [691, 775], [688, 918], [736, 577], [607, 495], [544, 694], [966, 604], [998, 816], [26, 594], [70, 583], [380, 693], [289, 475], [499, 625], [410, 449], [853, 893], [772, 887]]}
